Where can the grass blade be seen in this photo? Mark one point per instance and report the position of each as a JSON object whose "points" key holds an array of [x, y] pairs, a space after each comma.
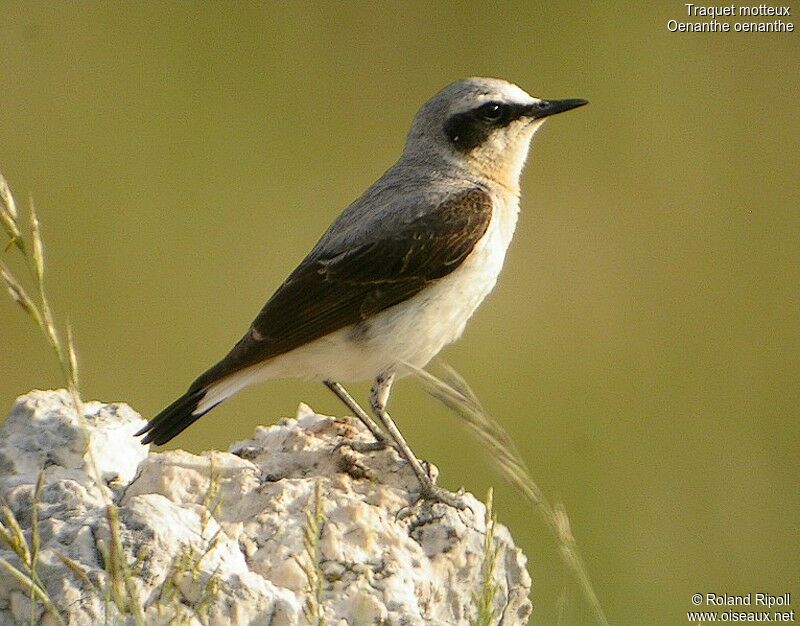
{"points": [[9, 215], [72, 361], [78, 571], [36, 590], [14, 537], [489, 588], [38, 247], [122, 589], [313, 609], [19, 295], [454, 393]]}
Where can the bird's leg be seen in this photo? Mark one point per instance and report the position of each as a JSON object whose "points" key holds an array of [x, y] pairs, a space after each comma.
{"points": [[379, 397], [348, 400]]}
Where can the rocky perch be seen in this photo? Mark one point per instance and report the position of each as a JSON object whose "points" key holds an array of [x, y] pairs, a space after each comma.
{"points": [[284, 529]]}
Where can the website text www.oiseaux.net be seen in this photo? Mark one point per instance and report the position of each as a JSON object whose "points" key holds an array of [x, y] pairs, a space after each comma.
{"points": [[729, 608]]}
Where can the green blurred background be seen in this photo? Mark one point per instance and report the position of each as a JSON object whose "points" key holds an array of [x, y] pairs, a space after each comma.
{"points": [[642, 344]]}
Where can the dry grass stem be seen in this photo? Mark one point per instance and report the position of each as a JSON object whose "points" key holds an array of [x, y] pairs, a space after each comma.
{"points": [[41, 314], [12, 535], [36, 542], [72, 363], [9, 215], [19, 295], [172, 602], [489, 588], [36, 590], [127, 602], [78, 571], [453, 391], [315, 579], [38, 247]]}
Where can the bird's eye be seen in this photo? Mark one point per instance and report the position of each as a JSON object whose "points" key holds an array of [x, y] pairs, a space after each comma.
{"points": [[493, 111]]}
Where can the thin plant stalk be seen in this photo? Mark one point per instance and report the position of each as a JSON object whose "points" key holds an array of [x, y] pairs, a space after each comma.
{"points": [[40, 593], [313, 610], [453, 391], [65, 353], [11, 535], [35, 538], [489, 588], [9, 216]]}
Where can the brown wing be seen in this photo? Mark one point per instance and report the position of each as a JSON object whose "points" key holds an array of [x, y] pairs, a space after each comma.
{"points": [[329, 292]]}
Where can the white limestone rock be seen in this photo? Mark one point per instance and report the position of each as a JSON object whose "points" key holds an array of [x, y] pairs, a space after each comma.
{"points": [[218, 538]]}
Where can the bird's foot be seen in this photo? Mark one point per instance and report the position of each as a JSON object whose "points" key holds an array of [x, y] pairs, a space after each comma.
{"points": [[363, 446], [434, 493], [431, 493]]}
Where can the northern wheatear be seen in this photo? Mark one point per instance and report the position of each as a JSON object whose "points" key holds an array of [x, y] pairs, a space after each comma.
{"points": [[398, 274]]}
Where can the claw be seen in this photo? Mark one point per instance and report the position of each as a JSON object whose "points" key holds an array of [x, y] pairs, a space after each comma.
{"points": [[433, 494], [362, 446]]}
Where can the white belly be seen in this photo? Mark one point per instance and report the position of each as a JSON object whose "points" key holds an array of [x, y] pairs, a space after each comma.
{"points": [[413, 331]]}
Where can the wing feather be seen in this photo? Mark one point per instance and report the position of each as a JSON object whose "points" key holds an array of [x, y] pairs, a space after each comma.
{"points": [[330, 291]]}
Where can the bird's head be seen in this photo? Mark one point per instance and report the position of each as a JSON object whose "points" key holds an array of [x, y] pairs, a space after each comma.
{"points": [[483, 124]]}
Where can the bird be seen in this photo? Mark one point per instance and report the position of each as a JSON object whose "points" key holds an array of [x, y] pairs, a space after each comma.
{"points": [[398, 273]]}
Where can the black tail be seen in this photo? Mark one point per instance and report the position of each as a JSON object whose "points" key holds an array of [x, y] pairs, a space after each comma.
{"points": [[173, 420]]}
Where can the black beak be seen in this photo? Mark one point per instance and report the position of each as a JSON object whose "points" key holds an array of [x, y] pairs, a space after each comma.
{"points": [[546, 108]]}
